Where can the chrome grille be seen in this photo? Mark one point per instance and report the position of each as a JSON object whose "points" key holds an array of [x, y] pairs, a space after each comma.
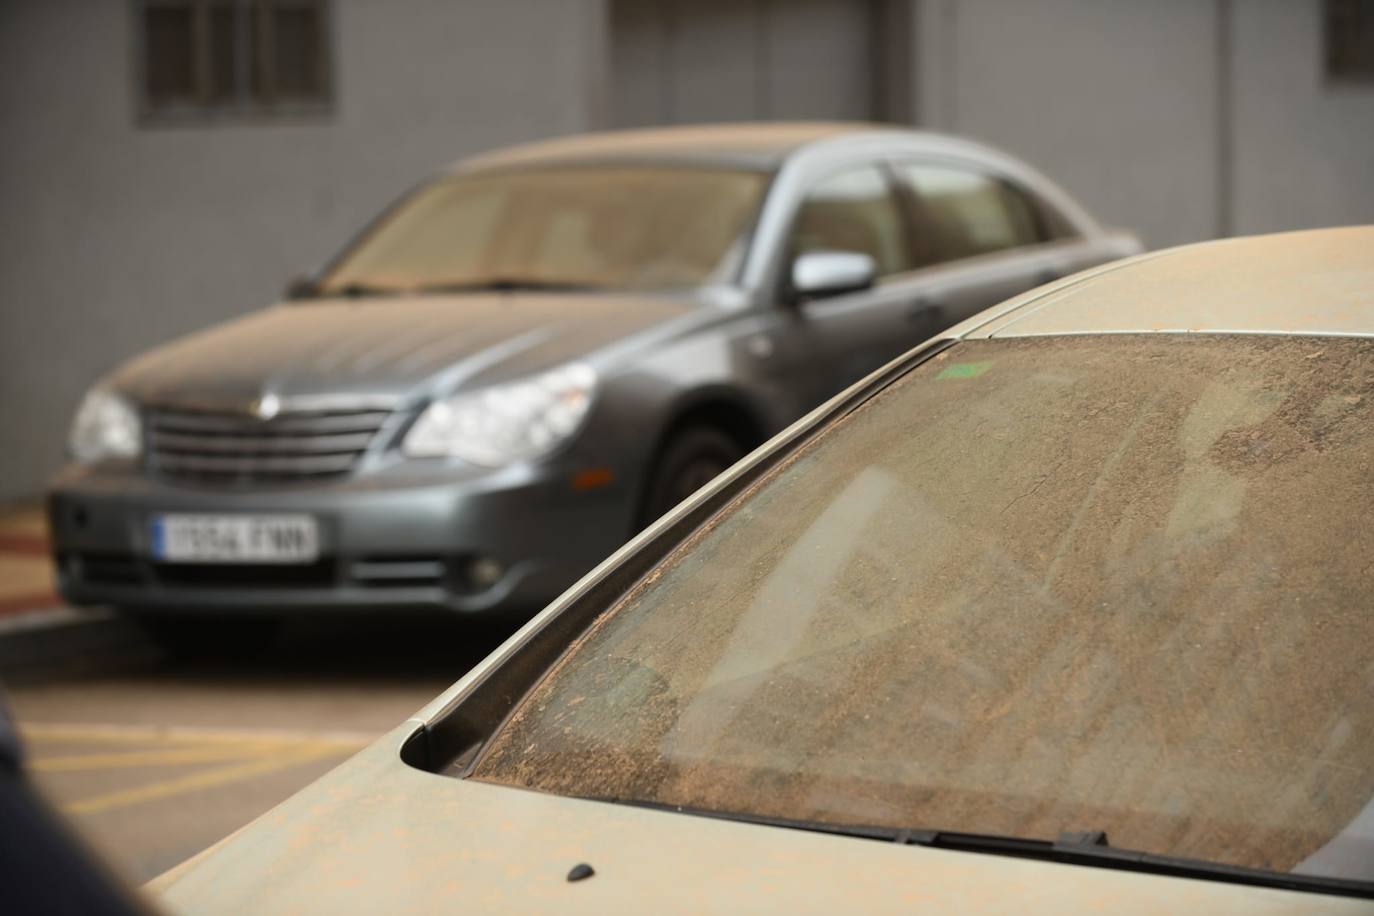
{"points": [[231, 448]]}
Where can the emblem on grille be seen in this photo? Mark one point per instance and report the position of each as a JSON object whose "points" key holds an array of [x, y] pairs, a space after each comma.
{"points": [[267, 406]]}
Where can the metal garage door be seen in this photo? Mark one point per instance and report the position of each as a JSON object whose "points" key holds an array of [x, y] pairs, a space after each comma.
{"points": [[679, 61]]}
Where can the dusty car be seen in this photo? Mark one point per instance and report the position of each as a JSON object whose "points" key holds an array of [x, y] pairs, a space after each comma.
{"points": [[531, 356], [1067, 610]]}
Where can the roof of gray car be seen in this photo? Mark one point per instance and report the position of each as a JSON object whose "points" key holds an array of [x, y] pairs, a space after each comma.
{"points": [[756, 145], [1318, 281]]}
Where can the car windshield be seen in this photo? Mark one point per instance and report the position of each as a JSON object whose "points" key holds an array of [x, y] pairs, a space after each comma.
{"points": [[623, 227], [1117, 583]]}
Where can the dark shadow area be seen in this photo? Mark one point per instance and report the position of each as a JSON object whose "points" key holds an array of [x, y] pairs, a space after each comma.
{"points": [[394, 651], [352, 649]]}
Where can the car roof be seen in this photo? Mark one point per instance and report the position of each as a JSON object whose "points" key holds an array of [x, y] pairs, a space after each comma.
{"points": [[752, 145], [1314, 282]]}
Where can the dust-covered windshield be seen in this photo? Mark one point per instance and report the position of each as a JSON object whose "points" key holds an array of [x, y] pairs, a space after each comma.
{"points": [[1116, 583], [612, 227]]}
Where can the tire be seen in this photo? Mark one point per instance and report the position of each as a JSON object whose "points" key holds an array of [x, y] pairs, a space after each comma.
{"points": [[691, 458], [197, 637]]}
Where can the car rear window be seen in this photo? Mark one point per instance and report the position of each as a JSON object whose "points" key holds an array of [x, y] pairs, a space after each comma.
{"points": [[1116, 583]]}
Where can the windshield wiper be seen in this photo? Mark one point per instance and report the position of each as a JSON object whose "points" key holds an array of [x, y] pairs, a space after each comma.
{"points": [[1078, 848], [507, 285], [359, 291]]}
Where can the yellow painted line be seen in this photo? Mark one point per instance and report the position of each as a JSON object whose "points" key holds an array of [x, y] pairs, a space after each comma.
{"points": [[266, 751], [207, 779], [30, 520], [174, 757], [24, 576], [158, 734]]}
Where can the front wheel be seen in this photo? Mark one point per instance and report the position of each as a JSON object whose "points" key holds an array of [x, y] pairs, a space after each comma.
{"points": [[691, 459]]}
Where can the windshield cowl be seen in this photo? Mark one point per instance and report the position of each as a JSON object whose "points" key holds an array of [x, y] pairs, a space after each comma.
{"points": [[444, 288]]}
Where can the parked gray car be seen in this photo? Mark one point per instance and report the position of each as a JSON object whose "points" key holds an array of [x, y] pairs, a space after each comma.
{"points": [[530, 357]]}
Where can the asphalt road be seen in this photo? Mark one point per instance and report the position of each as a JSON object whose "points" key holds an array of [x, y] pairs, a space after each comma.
{"points": [[155, 762]]}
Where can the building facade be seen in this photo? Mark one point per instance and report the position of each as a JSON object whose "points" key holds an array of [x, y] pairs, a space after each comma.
{"points": [[168, 164]]}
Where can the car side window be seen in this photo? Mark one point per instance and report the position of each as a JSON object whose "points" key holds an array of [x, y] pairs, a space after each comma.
{"points": [[854, 211], [1054, 224], [962, 213]]}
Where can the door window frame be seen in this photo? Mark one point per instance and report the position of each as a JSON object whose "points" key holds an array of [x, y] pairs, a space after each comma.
{"points": [[782, 291], [1037, 208]]}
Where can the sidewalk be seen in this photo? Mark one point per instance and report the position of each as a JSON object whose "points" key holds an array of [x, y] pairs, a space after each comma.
{"points": [[26, 573]]}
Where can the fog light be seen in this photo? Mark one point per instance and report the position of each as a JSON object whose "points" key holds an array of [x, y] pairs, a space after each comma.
{"points": [[484, 572]]}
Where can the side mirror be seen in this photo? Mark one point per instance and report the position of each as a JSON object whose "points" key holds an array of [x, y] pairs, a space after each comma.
{"points": [[301, 287], [829, 273]]}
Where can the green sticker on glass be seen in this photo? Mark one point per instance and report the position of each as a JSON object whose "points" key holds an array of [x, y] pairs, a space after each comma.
{"points": [[964, 370]]}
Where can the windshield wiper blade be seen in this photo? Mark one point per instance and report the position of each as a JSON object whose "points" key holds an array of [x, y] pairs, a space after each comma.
{"points": [[507, 285], [1089, 848], [1092, 848], [360, 291]]}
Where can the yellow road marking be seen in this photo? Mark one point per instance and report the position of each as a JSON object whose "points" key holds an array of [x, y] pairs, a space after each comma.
{"points": [[31, 520], [123, 759], [155, 734], [250, 753], [206, 779]]}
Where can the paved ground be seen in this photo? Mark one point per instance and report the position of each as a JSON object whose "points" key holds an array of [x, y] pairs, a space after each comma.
{"points": [[154, 760], [156, 763], [26, 579]]}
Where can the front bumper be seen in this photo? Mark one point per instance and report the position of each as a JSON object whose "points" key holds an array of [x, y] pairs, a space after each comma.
{"points": [[398, 539]]}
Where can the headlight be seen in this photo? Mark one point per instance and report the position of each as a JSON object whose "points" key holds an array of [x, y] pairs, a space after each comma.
{"points": [[505, 423], [106, 426]]}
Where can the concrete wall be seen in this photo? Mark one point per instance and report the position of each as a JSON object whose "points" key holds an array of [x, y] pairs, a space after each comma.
{"points": [[1182, 119], [1115, 99], [1303, 150], [114, 237], [685, 61]]}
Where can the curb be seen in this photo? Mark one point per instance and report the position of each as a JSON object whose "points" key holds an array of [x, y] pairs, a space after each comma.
{"points": [[63, 642]]}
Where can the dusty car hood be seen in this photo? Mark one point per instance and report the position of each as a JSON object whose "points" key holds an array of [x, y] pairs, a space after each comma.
{"points": [[375, 835], [386, 347]]}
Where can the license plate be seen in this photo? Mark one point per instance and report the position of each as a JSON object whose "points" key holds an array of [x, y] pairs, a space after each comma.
{"points": [[235, 538]]}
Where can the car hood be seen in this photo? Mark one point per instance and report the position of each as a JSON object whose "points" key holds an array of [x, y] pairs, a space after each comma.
{"points": [[375, 835], [386, 348]]}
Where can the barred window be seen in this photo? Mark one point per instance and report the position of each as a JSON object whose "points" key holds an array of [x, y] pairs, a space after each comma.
{"points": [[1349, 41], [201, 58]]}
